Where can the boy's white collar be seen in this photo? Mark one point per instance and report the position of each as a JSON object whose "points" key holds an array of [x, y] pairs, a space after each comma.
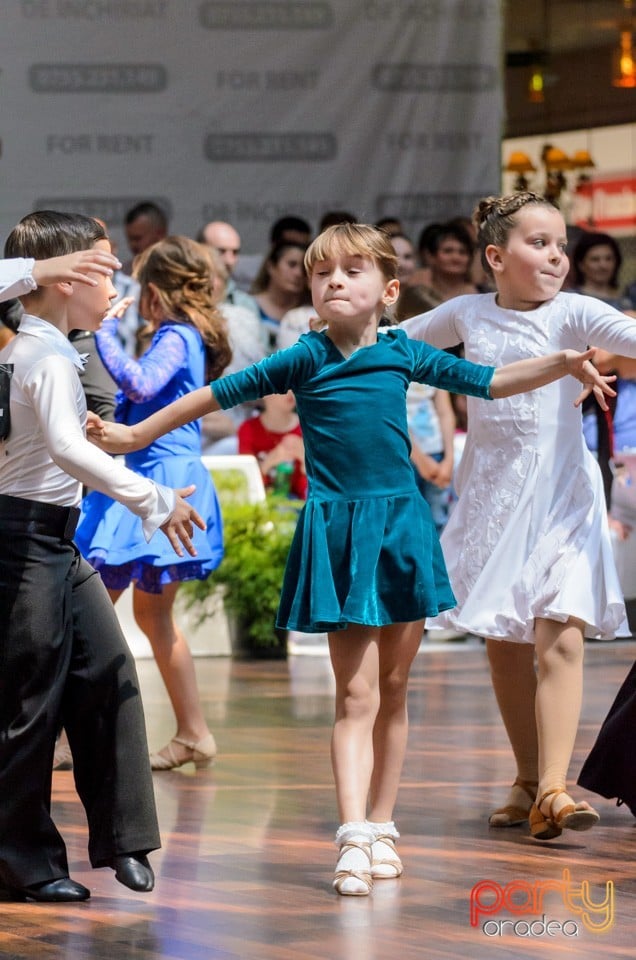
{"points": [[45, 331]]}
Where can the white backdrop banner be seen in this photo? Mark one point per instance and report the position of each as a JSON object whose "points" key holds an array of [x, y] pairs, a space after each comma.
{"points": [[246, 110]]}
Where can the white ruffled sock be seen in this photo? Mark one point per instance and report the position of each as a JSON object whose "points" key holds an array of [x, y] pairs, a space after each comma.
{"points": [[354, 860], [385, 862]]}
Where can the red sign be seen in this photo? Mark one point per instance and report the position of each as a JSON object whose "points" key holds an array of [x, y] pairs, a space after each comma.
{"points": [[606, 204]]}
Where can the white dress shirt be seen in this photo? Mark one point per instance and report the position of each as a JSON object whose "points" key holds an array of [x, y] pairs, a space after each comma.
{"points": [[47, 456]]}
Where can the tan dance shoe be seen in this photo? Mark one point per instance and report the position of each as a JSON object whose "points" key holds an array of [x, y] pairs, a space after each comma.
{"points": [[201, 754]]}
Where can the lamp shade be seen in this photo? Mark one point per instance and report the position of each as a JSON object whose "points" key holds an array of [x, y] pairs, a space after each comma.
{"points": [[519, 162], [582, 159], [556, 159]]}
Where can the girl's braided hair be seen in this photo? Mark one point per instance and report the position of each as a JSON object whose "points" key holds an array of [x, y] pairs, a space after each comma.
{"points": [[495, 217]]}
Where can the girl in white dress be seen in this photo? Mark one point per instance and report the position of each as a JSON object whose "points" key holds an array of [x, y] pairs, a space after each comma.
{"points": [[527, 547]]}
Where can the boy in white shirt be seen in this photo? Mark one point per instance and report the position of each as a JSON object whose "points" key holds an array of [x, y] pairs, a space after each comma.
{"points": [[63, 657]]}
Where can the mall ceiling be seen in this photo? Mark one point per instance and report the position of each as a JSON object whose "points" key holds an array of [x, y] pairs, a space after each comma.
{"points": [[573, 42]]}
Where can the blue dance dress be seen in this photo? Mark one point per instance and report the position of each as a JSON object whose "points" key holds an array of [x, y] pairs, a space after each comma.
{"points": [[365, 549], [109, 535]]}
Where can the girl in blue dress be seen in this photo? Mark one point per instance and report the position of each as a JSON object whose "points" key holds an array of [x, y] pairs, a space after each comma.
{"points": [[365, 564], [189, 346]]}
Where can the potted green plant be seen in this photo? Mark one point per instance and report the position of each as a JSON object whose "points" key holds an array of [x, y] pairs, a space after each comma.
{"points": [[257, 537]]}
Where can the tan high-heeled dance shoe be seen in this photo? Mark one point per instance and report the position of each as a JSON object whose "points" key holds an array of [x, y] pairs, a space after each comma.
{"points": [[201, 754], [572, 816], [512, 815]]}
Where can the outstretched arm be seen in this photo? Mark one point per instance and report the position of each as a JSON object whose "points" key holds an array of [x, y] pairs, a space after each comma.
{"points": [[117, 438], [536, 372]]}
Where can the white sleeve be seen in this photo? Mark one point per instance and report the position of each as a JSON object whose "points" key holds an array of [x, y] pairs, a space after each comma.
{"points": [[439, 326], [16, 278], [600, 325], [51, 386]]}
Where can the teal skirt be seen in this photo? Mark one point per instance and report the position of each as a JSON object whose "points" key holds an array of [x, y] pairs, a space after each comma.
{"points": [[375, 562]]}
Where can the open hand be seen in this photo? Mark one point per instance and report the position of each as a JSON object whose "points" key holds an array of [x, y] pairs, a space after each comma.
{"points": [[119, 308], [75, 266], [581, 367], [179, 528]]}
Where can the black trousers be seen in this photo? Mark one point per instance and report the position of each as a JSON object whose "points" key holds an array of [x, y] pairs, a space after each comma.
{"points": [[610, 768], [64, 662]]}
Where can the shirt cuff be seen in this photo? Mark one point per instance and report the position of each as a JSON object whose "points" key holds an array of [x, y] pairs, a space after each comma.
{"points": [[29, 263], [166, 499]]}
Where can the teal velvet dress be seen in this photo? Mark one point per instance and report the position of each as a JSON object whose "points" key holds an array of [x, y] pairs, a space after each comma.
{"points": [[365, 549]]}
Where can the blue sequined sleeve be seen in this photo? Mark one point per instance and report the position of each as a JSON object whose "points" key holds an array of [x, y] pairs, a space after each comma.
{"points": [[141, 380]]}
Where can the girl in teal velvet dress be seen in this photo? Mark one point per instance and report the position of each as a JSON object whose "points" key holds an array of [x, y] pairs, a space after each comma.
{"points": [[365, 564]]}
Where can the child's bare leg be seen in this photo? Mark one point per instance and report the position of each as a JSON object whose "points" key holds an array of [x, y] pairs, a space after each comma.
{"points": [[153, 613], [514, 682], [355, 661], [398, 645], [558, 702]]}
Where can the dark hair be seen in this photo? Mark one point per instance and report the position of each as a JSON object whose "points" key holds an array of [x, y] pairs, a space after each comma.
{"points": [[284, 224], [10, 314], [584, 244], [390, 225], [432, 237], [261, 280], [333, 217], [151, 211], [47, 233]]}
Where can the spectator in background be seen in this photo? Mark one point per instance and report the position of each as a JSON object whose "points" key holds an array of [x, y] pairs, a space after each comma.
{"points": [[290, 229], [279, 286], [390, 225], [219, 429], [478, 275], [449, 256], [405, 252], [597, 259], [596, 262], [274, 437], [223, 238], [333, 217], [431, 422], [144, 224]]}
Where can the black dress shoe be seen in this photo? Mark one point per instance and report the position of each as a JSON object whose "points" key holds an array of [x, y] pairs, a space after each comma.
{"points": [[63, 890], [134, 871]]}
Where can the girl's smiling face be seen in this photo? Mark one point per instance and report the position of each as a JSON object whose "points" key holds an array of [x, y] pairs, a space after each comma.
{"points": [[348, 286], [533, 264]]}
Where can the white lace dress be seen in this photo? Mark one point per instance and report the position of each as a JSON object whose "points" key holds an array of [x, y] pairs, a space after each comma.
{"points": [[529, 535]]}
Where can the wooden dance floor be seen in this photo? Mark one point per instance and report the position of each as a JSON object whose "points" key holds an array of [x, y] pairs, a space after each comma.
{"points": [[247, 859]]}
